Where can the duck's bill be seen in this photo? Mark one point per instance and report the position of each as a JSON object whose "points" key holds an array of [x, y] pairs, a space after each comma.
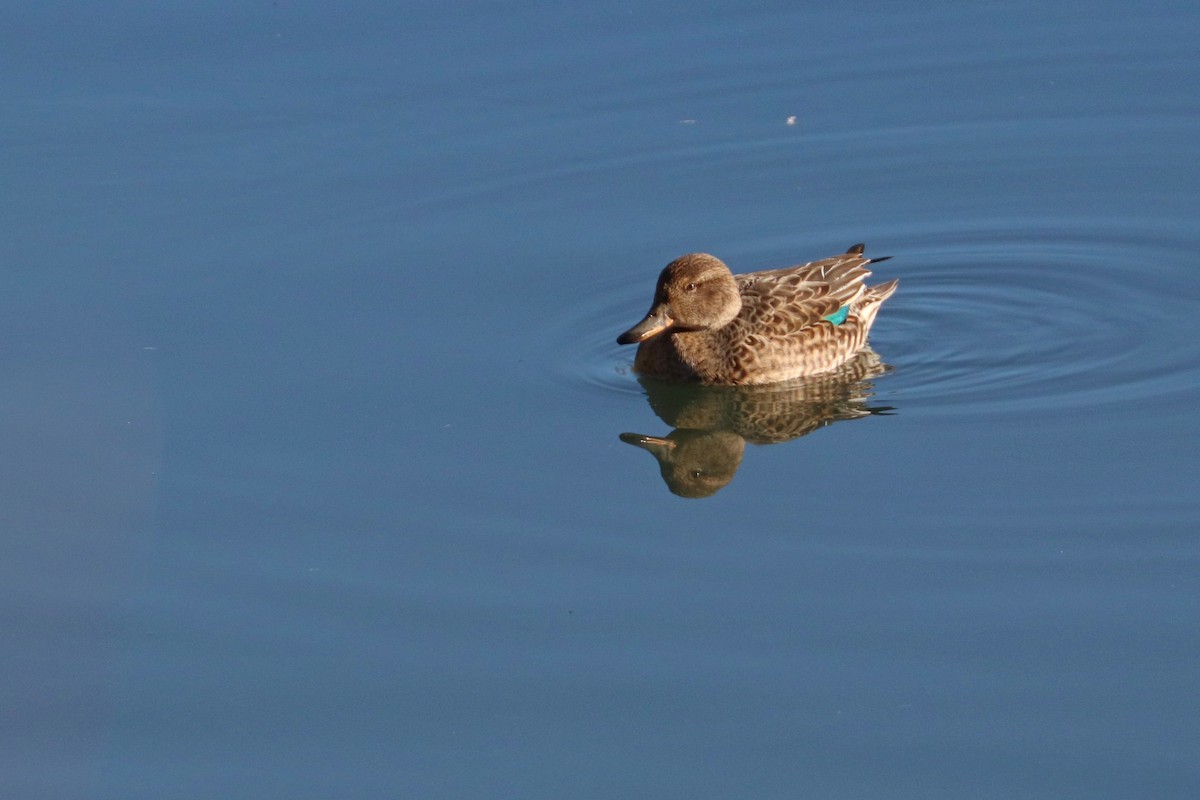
{"points": [[648, 442], [655, 323]]}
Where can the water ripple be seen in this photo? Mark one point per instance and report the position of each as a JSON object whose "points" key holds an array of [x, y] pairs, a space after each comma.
{"points": [[588, 357], [1045, 319]]}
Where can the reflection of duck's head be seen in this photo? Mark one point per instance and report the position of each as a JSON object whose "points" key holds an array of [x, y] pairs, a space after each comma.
{"points": [[695, 292], [693, 463]]}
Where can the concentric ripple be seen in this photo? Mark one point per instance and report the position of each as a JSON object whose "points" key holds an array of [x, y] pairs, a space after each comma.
{"points": [[996, 320], [1041, 320], [588, 357]]}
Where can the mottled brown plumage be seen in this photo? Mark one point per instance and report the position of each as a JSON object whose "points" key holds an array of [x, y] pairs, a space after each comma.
{"points": [[708, 325]]}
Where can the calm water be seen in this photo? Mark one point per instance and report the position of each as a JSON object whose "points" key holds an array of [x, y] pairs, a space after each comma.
{"points": [[317, 475]]}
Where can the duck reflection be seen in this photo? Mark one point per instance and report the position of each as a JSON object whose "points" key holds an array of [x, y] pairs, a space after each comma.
{"points": [[714, 423]]}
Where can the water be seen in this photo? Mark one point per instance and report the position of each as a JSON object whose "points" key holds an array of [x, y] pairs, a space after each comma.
{"points": [[314, 478]]}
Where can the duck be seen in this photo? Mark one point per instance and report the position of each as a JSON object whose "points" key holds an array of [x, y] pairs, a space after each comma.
{"points": [[709, 326]]}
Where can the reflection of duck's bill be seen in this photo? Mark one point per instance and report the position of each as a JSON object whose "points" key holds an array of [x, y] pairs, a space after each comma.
{"points": [[651, 443], [657, 321]]}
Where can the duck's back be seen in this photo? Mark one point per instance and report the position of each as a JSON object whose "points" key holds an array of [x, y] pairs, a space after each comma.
{"points": [[780, 302]]}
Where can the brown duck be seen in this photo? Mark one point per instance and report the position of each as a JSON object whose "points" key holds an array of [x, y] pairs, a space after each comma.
{"points": [[708, 325]]}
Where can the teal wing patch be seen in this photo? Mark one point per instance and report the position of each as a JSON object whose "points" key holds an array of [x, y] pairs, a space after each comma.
{"points": [[839, 316]]}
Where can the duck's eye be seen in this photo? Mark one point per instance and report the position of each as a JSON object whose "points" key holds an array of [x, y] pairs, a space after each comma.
{"points": [[691, 287]]}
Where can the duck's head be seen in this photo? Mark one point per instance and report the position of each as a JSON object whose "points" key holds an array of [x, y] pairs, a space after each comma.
{"points": [[695, 292]]}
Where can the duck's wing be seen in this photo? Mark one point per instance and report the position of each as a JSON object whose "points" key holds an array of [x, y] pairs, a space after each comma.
{"points": [[783, 301]]}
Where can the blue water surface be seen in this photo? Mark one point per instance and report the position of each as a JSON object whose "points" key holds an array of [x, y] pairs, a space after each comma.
{"points": [[313, 482]]}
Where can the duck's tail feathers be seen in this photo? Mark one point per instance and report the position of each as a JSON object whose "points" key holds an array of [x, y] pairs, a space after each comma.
{"points": [[858, 249], [882, 291], [872, 299]]}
